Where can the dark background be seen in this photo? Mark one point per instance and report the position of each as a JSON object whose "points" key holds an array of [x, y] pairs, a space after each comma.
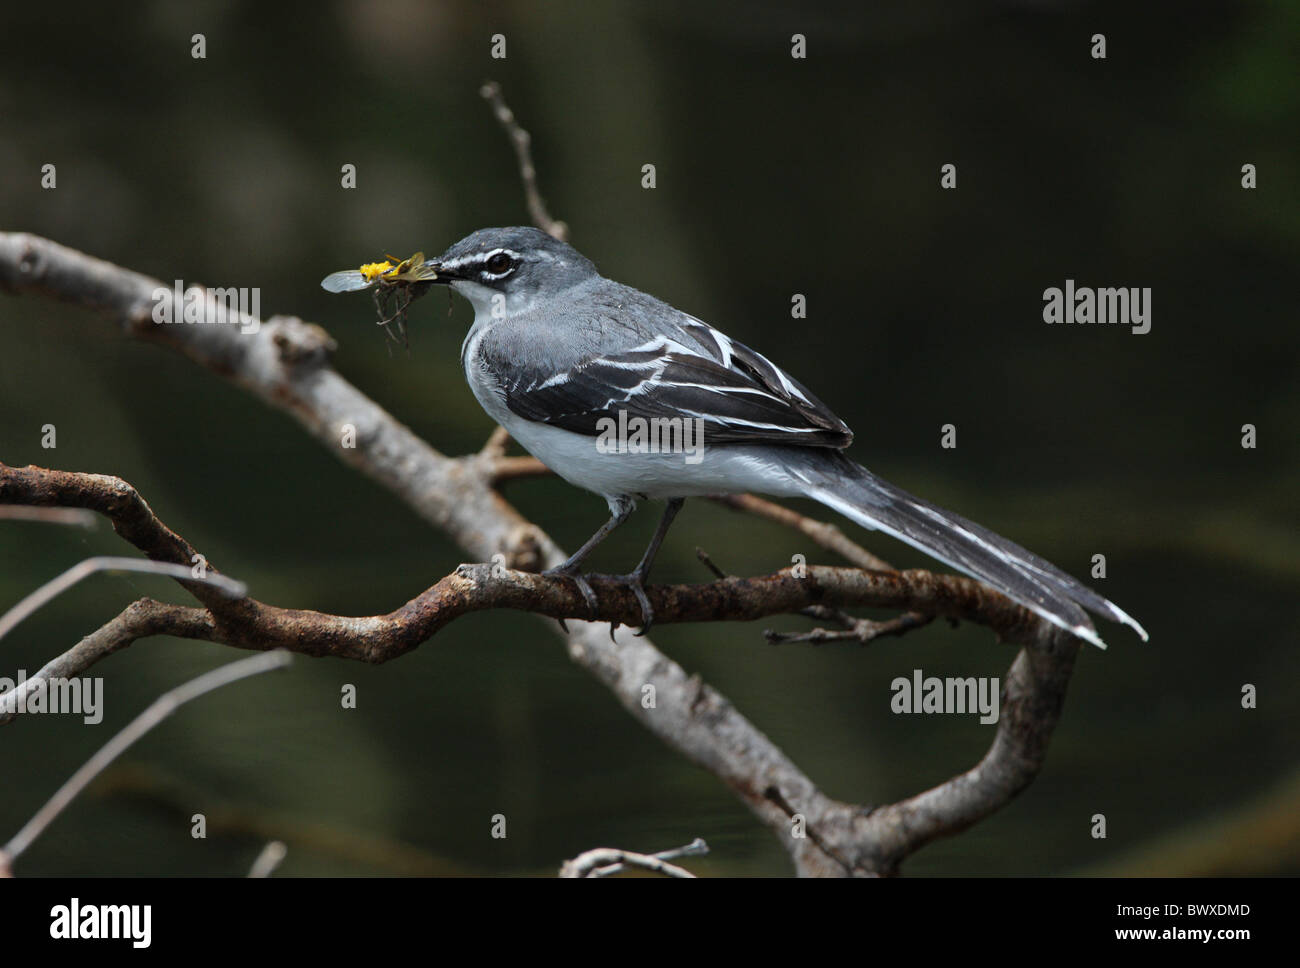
{"points": [[775, 176]]}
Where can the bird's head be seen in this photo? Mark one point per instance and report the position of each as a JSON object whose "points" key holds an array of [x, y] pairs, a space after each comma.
{"points": [[519, 263]]}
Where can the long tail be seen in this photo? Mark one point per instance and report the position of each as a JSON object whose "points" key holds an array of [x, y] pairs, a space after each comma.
{"points": [[855, 492]]}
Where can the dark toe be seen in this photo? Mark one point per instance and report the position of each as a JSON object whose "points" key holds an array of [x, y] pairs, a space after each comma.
{"points": [[647, 613]]}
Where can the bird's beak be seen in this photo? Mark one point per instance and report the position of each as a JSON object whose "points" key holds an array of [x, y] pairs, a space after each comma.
{"points": [[442, 276]]}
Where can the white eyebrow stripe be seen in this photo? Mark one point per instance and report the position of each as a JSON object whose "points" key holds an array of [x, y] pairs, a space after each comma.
{"points": [[477, 257], [457, 263]]}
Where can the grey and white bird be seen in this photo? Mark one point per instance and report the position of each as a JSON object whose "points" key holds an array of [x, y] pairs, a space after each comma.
{"points": [[558, 354]]}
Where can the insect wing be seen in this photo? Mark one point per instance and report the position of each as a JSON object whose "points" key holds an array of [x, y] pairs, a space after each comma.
{"points": [[348, 280]]}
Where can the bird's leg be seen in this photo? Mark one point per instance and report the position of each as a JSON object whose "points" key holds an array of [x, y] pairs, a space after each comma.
{"points": [[636, 579], [621, 509]]}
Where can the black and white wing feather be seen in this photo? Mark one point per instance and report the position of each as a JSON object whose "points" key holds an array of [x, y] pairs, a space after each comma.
{"points": [[739, 394]]}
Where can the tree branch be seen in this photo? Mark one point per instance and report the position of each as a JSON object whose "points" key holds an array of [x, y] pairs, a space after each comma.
{"points": [[139, 620], [822, 533], [606, 861], [475, 588], [1034, 691], [91, 566], [521, 141]]}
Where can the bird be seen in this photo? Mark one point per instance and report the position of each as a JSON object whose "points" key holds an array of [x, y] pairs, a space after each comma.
{"points": [[573, 364]]}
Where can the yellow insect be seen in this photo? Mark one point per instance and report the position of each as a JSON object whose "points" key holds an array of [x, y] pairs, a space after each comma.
{"points": [[397, 282], [391, 272]]}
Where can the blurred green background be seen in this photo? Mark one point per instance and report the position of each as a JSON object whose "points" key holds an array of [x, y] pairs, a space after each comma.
{"points": [[775, 176]]}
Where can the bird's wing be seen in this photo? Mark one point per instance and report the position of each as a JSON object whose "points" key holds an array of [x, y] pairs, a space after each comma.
{"points": [[738, 393]]}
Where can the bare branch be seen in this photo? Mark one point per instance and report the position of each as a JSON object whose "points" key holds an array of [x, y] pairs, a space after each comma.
{"points": [[132, 519], [474, 588], [502, 468], [158, 710], [849, 628], [1033, 694], [852, 629], [606, 861], [521, 141], [509, 468], [71, 516], [495, 447], [708, 563], [55, 587], [827, 535], [269, 859], [139, 620]]}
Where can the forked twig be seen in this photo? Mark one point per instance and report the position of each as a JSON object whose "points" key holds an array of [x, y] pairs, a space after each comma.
{"points": [[90, 566], [606, 861]]}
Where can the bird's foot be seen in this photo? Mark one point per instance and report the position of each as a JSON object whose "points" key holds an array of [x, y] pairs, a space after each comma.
{"points": [[636, 582], [575, 573]]}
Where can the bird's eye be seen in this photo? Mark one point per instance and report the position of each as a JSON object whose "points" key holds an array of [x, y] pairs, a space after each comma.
{"points": [[499, 263]]}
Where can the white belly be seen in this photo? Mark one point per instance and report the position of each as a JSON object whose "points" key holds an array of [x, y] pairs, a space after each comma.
{"points": [[725, 469]]}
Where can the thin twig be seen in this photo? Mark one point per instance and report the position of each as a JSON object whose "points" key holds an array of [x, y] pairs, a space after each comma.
{"points": [[138, 620], [511, 468], [55, 587], [521, 141], [158, 710], [495, 446], [269, 859], [605, 861], [709, 564], [73, 516], [861, 630], [502, 468], [822, 533]]}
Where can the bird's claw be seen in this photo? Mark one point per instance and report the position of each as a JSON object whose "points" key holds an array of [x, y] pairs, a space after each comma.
{"points": [[636, 582], [647, 613], [588, 595], [633, 581]]}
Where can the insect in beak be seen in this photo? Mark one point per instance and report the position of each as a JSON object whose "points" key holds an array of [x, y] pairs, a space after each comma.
{"points": [[396, 284]]}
